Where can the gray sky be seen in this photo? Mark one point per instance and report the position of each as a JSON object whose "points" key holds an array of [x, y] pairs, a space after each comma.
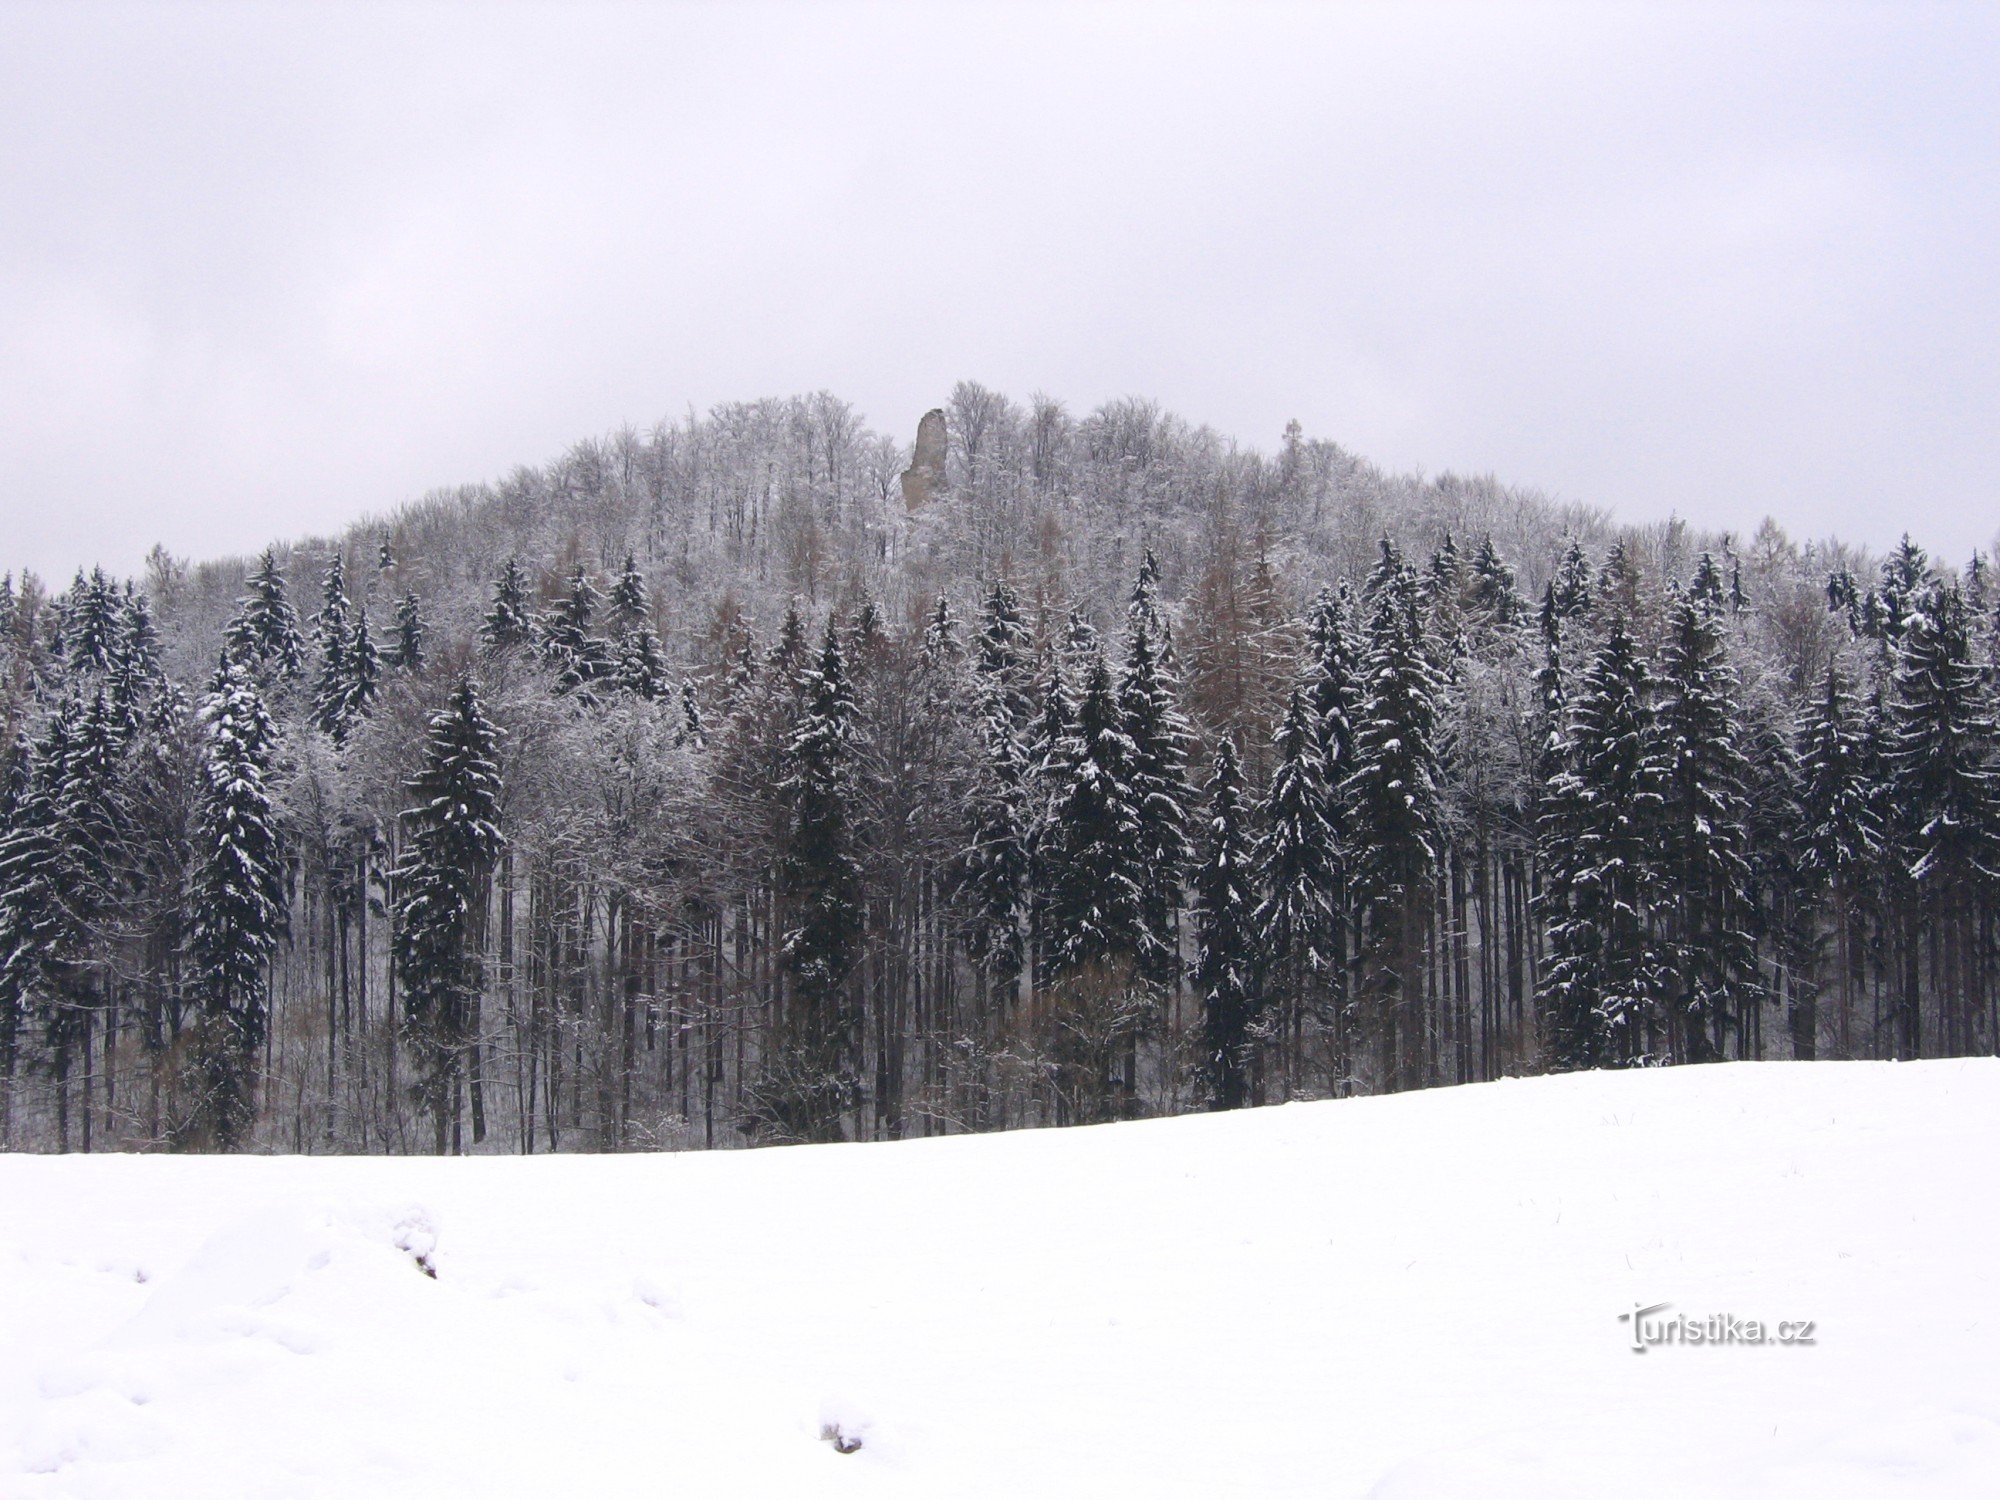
{"points": [[263, 269]]}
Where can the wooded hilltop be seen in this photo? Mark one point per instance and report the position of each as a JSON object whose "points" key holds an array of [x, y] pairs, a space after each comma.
{"points": [[760, 778]]}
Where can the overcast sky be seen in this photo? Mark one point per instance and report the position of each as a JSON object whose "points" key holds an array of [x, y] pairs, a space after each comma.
{"points": [[266, 269]]}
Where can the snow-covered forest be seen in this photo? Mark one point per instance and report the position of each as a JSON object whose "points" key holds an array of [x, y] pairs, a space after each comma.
{"points": [[762, 778]]}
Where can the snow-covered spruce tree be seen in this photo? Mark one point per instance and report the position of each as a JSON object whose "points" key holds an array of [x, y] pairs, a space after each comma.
{"points": [[1002, 653], [92, 825], [333, 684], [264, 636], [1840, 841], [1942, 762], [1709, 908], [1333, 675], [741, 678], [577, 659], [1443, 592], [406, 647], [451, 839], [1392, 790], [1619, 583], [1160, 737], [995, 871], [239, 913], [1092, 858], [811, 1080], [790, 657], [630, 606], [1493, 594], [165, 778], [364, 665], [1905, 578], [1298, 874], [508, 623], [1047, 747], [1079, 642], [16, 940], [90, 623], [642, 666], [1786, 928], [1568, 595], [135, 662], [1096, 899], [1225, 940], [1606, 982], [867, 639], [692, 730], [942, 650], [41, 945]]}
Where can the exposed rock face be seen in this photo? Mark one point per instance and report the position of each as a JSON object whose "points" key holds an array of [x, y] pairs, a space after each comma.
{"points": [[923, 481]]}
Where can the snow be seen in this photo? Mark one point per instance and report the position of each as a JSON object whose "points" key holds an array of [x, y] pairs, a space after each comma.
{"points": [[1406, 1297]]}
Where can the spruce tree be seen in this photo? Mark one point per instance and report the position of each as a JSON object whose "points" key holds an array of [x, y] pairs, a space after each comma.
{"points": [[1709, 904], [452, 840], [629, 605], [1298, 873], [790, 655], [239, 908], [365, 670], [576, 658], [90, 623], [1332, 673], [1226, 948], [1046, 752], [1097, 881], [333, 687], [813, 1080], [1159, 737], [1493, 591], [507, 622], [136, 663], [42, 945], [264, 636], [1093, 915], [1568, 594], [1606, 982], [1080, 643], [742, 678], [406, 648], [1942, 762], [1001, 653], [868, 640], [642, 668], [941, 648], [692, 731], [1904, 579], [1392, 790], [997, 866], [1840, 835], [19, 943], [1618, 582]]}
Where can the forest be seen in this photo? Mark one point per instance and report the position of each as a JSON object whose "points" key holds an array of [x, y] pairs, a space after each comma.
{"points": [[760, 778]]}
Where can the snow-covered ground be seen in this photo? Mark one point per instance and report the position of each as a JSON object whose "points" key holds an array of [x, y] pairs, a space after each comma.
{"points": [[1413, 1296]]}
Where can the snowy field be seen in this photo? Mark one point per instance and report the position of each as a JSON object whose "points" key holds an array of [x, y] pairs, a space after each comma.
{"points": [[1411, 1296]]}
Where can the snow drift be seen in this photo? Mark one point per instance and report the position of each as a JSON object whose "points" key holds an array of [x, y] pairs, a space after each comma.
{"points": [[1404, 1297]]}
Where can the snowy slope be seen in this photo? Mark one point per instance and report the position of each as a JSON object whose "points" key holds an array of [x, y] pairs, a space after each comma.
{"points": [[1412, 1296]]}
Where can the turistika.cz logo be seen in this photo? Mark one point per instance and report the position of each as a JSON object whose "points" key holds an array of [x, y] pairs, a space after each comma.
{"points": [[1652, 1328]]}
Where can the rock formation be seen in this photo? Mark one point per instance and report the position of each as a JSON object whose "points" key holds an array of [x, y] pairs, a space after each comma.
{"points": [[924, 479]]}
